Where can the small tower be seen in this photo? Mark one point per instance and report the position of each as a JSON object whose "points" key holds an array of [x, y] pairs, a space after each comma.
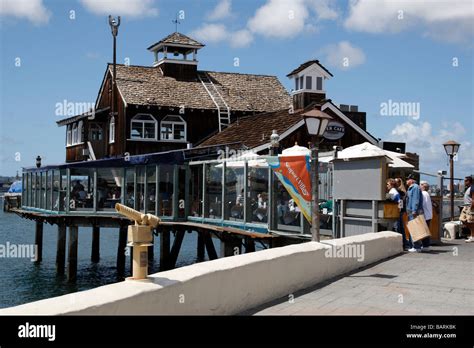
{"points": [[309, 83], [176, 56]]}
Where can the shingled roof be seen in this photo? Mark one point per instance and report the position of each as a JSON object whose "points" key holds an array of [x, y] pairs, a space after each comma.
{"points": [[178, 38], [252, 132], [140, 85], [307, 64]]}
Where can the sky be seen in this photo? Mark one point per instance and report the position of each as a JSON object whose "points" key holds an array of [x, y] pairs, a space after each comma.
{"points": [[383, 55]]}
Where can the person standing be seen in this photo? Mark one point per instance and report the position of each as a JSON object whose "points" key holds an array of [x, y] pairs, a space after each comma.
{"points": [[407, 243], [414, 206], [467, 213], [427, 211]]}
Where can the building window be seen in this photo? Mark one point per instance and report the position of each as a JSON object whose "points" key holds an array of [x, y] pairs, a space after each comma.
{"points": [[319, 83], [296, 83], [112, 130], [173, 128], [74, 134], [309, 82], [69, 135], [301, 82], [95, 132], [80, 128], [143, 126]]}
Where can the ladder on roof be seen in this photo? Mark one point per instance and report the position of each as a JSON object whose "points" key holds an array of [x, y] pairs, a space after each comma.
{"points": [[223, 110]]}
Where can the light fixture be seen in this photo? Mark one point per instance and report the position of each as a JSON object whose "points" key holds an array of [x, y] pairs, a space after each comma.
{"points": [[316, 122], [38, 161], [275, 139], [451, 147]]}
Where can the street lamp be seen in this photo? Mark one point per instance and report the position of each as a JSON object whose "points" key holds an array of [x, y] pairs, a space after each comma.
{"points": [[275, 143], [451, 147], [316, 123], [38, 161]]}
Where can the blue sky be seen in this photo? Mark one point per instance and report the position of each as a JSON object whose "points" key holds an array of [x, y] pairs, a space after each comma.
{"points": [[403, 51]]}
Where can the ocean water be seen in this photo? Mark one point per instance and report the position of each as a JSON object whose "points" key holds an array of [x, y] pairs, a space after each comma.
{"points": [[22, 281]]}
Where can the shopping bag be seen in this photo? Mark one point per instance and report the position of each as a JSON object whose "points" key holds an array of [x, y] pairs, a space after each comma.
{"points": [[418, 228]]}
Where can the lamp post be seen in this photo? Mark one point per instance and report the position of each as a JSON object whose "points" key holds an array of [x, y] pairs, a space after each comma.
{"points": [[38, 161], [451, 147], [275, 143], [114, 25], [316, 123]]}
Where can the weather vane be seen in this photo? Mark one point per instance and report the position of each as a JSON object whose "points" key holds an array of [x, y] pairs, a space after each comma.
{"points": [[176, 22]]}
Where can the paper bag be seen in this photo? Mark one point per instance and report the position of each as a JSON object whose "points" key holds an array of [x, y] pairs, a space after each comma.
{"points": [[418, 228]]}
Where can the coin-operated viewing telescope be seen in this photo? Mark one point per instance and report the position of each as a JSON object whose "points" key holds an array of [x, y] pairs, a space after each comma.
{"points": [[139, 237]]}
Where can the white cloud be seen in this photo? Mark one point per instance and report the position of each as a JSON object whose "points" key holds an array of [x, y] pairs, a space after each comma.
{"points": [[343, 55], [33, 10], [215, 33], [279, 18], [221, 11], [131, 8], [444, 20], [324, 9], [428, 143], [241, 38], [210, 33]]}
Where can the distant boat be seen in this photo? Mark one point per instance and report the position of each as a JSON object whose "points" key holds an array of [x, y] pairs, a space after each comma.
{"points": [[12, 199]]}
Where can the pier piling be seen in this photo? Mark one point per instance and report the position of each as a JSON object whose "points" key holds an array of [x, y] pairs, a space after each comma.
{"points": [[39, 240], [200, 246], [95, 253], [122, 243], [61, 248], [164, 249], [230, 246], [72, 254]]}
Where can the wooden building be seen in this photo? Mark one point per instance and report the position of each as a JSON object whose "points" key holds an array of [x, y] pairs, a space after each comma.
{"points": [[167, 106], [309, 93]]}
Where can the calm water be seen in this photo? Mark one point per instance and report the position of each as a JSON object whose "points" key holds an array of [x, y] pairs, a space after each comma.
{"points": [[21, 280]]}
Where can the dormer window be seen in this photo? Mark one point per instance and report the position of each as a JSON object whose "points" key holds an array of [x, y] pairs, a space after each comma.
{"points": [[319, 83], [144, 127], [173, 128]]}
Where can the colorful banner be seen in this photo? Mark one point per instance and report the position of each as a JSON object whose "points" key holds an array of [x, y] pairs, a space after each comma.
{"points": [[294, 172]]}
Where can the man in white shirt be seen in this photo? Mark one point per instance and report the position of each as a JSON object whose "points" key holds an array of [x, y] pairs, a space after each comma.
{"points": [[427, 210]]}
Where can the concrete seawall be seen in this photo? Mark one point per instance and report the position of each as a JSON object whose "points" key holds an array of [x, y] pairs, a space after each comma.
{"points": [[225, 286]]}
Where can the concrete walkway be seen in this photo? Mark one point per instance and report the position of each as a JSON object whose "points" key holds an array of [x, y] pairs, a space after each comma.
{"points": [[440, 281]]}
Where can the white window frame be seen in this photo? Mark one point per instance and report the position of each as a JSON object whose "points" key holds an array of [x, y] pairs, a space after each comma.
{"points": [[112, 130], [173, 123], [80, 128], [154, 121], [69, 135], [74, 134]]}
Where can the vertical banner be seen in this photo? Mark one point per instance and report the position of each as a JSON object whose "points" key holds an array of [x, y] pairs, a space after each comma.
{"points": [[294, 172]]}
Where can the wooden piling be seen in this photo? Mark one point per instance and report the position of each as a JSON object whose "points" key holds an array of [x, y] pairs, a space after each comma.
{"points": [[230, 245], [200, 246], [61, 248], [164, 249], [211, 251], [122, 243], [39, 240], [249, 245], [95, 253], [72, 254], [178, 241]]}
